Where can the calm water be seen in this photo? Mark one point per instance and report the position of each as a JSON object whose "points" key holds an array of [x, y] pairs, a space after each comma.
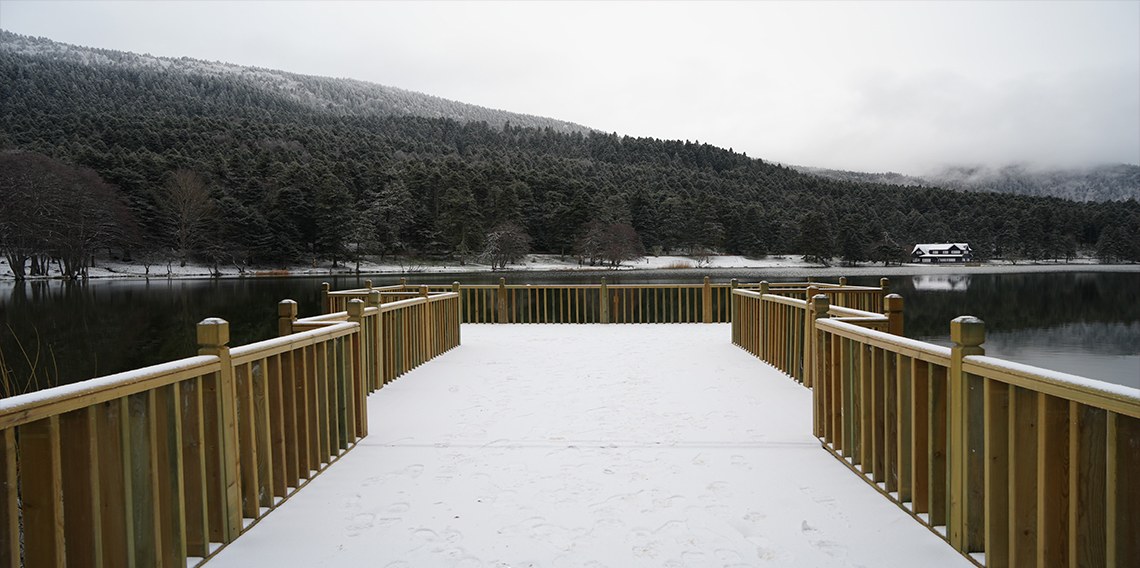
{"points": [[1081, 323]]}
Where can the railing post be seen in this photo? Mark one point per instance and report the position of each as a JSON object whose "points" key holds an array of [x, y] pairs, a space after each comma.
{"points": [[885, 285], [325, 307], [807, 349], [374, 301], [502, 303], [706, 304], [842, 280], [819, 306], [458, 310], [733, 285], [368, 284], [893, 305], [763, 335], [403, 282], [604, 303], [358, 407], [213, 335], [966, 458], [286, 315]]}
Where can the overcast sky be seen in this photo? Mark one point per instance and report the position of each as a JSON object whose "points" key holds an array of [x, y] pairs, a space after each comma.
{"points": [[893, 86]]}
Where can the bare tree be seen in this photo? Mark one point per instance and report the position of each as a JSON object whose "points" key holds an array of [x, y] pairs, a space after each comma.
{"points": [[504, 244], [50, 210], [612, 244], [190, 210]]}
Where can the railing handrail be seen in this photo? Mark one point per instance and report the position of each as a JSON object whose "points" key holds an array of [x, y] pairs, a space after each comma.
{"points": [[29, 407], [1109, 396], [262, 349]]}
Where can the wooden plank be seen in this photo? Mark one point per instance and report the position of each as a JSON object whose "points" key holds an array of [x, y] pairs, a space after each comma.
{"points": [[171, 481], [865, 395], [1023, 428], [879, 447], [112, 488], [80, 469], [322, 400], [974, 481], [1087, 458], [142, 473], [289, 418], [276, 417], [920, 436], [261, 433], [905, 448], [996, 421], [303, 400], [247, 443], [1052, 482], [847, 384], [194, 445], [41, 493], [214, 454], [938, 425], [892, 426], [1124, 498], [9, 487]]}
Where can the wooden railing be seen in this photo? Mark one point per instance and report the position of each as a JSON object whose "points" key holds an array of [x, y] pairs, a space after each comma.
{"points": [[606, 303], [1011, 464], [168, 463]]}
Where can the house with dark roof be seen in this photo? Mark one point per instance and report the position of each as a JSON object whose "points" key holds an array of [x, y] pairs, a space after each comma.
{"points": [[941, 252]]}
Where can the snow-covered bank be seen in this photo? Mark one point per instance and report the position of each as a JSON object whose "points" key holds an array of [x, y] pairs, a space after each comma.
{"points": [[788, 266], [589, 445]]}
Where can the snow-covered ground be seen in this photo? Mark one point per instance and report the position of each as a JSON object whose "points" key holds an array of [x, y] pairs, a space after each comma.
{"points": [[589, 445], [789, 265]]}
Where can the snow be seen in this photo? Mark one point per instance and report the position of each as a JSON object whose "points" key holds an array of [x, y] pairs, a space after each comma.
{"points": [[785, 265], [589, 445]]}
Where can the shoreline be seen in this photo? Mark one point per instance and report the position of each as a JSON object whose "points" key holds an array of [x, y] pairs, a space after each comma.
{"points": [[785, 266]]}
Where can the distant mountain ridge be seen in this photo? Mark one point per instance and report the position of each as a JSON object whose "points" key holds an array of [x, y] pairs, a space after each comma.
{"points": [[341, 96], [1119, 182]]}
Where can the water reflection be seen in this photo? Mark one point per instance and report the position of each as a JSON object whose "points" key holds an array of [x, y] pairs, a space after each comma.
{"points": [[1082, 323], [941, 282]]}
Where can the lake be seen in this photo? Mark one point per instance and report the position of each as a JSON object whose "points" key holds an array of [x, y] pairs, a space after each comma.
{"points": [[1084, 323]]}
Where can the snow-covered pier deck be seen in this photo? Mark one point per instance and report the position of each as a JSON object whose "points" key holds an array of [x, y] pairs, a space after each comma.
{"points": [[589, 445]]}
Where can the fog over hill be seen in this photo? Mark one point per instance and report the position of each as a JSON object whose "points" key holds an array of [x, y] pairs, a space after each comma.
{"points": [[338, 96], [1117, 182]]}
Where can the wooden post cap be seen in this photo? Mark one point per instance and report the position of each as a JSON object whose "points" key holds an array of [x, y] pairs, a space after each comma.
{"points": [[502, 281], [355, 308], [842, 280], [368, 284], [374, 298], [967, 331], [763, 286], [287, 308], [403, 282], [893, 303], [423, 290], [455, 286], [603, 281], [213, 332], [885, 284], [820, 304], [325, 286], [706, 279], [735, 283]]}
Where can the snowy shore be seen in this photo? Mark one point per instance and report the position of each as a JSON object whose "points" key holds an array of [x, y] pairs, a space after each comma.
{"points": [[789, 266]]}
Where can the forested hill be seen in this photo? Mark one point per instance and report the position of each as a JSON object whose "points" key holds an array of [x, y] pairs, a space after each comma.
{"points": [[281, 180], [213, 82], [1118, 182]]}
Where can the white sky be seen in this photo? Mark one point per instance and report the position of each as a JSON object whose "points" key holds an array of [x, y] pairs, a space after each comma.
{"points": [[868, 86]]}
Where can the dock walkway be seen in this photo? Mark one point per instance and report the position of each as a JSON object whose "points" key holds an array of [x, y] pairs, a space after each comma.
{"points": [[589, 445]]}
